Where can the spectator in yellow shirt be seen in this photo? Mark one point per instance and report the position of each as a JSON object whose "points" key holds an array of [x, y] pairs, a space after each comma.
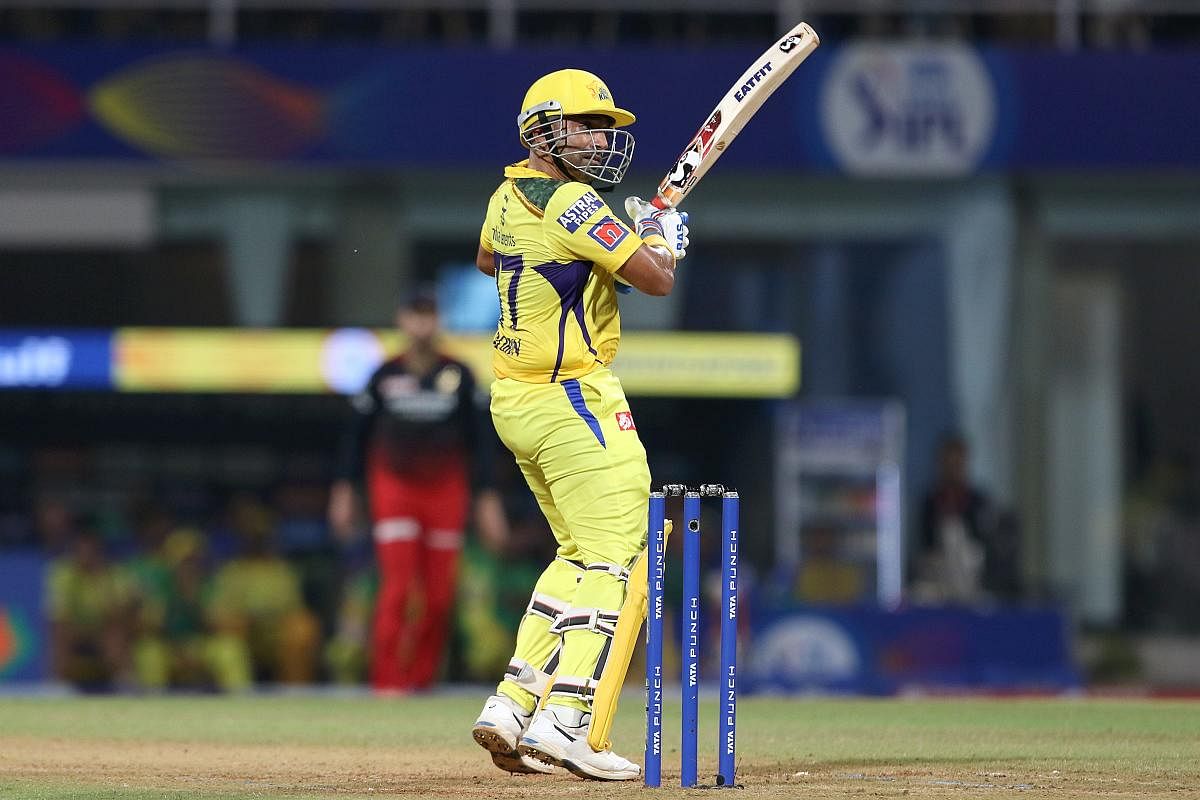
{"points": [[256, 603], [88, 601]]}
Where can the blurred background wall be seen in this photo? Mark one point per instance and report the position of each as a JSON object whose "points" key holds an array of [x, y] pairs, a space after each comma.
{"points": [[976, 221]]}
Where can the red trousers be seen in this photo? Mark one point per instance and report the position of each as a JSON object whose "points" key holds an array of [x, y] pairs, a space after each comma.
{"points": [[418, 529]]}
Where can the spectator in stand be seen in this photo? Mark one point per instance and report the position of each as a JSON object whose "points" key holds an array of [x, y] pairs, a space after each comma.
{"points": [[150, 580], [418, 441], [88, 601], [304, 539], [968, 545], [199, 658], [494, 590], [257, 611], [827, 575], [346, 651], [54, 525]]}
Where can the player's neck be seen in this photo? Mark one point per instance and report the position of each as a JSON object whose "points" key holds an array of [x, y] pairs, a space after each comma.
{"points": [[546, 165], [421, 358]]}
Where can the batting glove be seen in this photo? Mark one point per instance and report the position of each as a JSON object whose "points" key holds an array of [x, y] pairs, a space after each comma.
{"points": [[649, 220]]}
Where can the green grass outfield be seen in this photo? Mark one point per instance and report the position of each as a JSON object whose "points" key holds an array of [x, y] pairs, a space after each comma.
{"points": [[356, 746]]}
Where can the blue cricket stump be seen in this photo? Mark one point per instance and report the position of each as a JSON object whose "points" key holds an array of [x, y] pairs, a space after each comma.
{"points": [[689, 614], [690, 633], [655, 573], [727, 727]]}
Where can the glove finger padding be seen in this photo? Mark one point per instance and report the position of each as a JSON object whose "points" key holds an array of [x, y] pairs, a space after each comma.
{"points": [[675, 231], [637, 208]]}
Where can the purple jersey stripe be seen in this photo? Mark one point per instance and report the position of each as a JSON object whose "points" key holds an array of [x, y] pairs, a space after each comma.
{"points": [[587, 337], [575, 395], [568, 280], [562, 343]]}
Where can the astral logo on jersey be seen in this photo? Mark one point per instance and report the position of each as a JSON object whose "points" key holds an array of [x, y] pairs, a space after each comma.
{"points": [[579, 211], [751, 82], [625, 421], [900, 110], [609, 233]]}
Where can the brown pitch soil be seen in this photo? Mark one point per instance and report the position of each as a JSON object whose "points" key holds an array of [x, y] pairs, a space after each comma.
{"points": [[98, 768], [212, 749]]}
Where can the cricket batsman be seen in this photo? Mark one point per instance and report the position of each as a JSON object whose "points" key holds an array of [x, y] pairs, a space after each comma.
{"points": [[560, 256]]}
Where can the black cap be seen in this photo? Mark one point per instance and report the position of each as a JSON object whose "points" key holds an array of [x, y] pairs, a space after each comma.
{"points": [[422, 297]]}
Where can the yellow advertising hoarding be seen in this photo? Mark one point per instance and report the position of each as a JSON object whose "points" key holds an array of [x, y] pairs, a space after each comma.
{"points": [[340, 360]]}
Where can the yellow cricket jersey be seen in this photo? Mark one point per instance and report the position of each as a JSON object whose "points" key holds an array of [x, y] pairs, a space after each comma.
{"points": [[556, 246]]}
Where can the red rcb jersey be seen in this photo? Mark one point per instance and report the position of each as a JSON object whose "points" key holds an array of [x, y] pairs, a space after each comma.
{"points": [[414, 425]]}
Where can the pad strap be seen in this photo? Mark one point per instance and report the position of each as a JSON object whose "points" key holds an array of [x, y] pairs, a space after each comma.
{"points": [[587, 619], [528, 677], [616, 570], [580, 688], [546, 606]]}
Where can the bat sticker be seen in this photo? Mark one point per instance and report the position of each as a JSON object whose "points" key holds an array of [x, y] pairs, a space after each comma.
{"points": [[681, 173]]}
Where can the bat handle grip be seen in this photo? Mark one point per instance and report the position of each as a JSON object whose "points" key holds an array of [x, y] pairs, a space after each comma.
{"points": [[660, 202]]}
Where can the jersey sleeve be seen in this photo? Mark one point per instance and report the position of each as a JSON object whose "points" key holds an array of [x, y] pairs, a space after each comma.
{"points": [[581, 226], [352, 450], [485, 233]]}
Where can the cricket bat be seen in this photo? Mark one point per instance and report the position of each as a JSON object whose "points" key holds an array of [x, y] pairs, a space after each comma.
{"points": [[746, 96]]}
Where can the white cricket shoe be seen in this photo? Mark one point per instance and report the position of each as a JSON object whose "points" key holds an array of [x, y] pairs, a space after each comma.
{"points": [[499, 729], [558, 736]]}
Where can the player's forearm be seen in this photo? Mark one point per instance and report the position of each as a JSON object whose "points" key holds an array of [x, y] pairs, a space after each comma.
{"points": [[651, 269], [485, 262], [664, 233], [664, 269], [351, 461]]}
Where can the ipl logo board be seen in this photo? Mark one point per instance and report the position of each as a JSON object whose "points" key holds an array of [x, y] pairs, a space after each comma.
{"points": [[801, 650], [18, 643], [24, 651], [901, 110]]}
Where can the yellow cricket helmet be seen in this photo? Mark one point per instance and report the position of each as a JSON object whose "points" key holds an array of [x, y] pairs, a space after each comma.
{"points": [[571, 92], [568, 93]]}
